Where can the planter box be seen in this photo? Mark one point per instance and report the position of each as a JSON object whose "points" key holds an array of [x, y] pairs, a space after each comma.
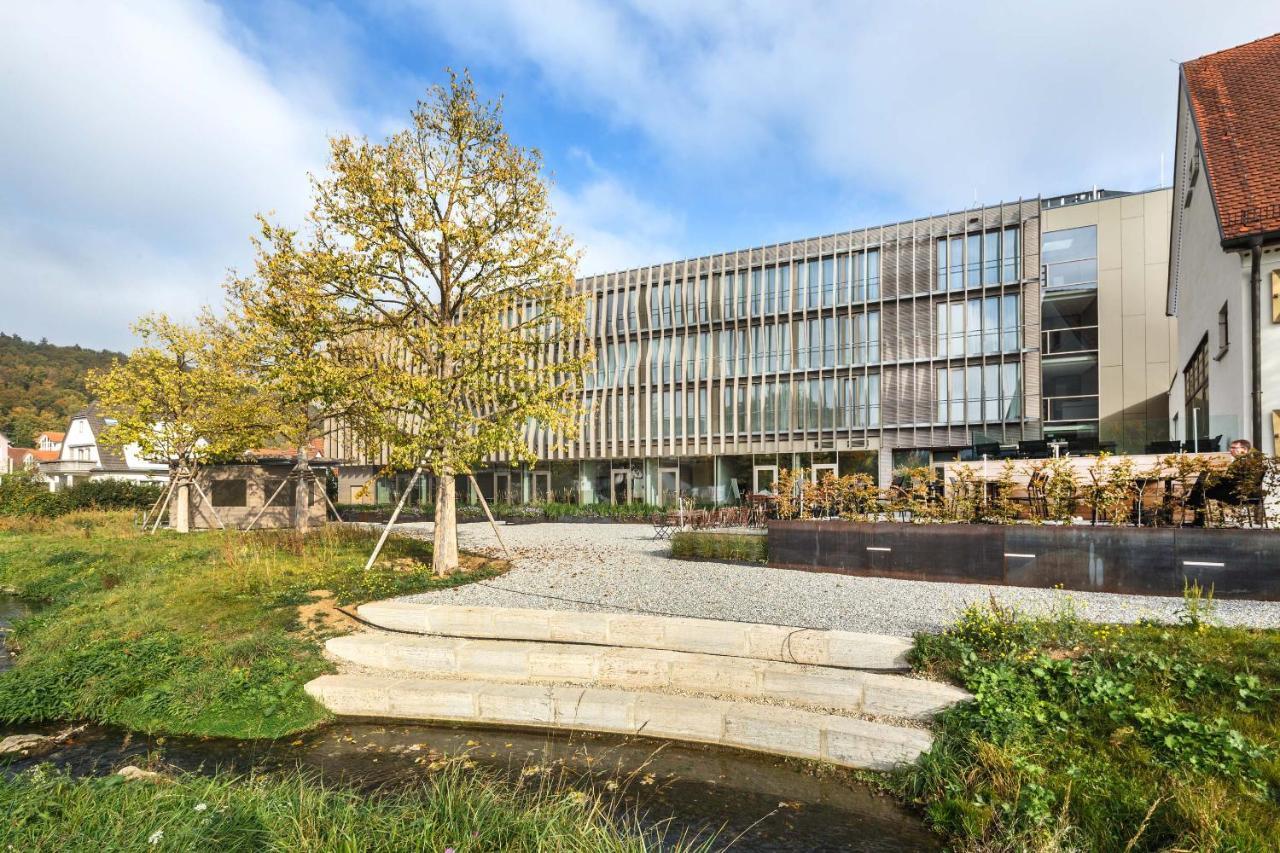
{"points": [[1134, 560]]}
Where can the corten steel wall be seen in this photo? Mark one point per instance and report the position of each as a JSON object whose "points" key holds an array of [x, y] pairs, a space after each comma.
{"points": [[1143, 561]]}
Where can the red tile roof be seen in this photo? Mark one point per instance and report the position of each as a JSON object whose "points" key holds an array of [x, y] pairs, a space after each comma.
{"points": [[1235, 97], [53, 436], [47, 455]]}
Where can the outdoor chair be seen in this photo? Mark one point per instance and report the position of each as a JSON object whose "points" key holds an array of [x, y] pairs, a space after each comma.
{"points": [[661, 525]]}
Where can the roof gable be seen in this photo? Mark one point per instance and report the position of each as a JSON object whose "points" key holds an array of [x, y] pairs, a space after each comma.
{"points": [[1234, 97]]}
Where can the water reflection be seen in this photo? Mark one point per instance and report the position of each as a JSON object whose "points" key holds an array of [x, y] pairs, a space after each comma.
{"points": [[758, 802], [12, 608]]}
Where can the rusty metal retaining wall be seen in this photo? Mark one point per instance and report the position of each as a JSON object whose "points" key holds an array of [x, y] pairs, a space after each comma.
{"points": [[1144, 561]]}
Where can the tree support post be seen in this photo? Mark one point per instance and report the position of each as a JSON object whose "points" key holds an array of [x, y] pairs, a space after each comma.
{"points": [[484, 503], [386, 531]]}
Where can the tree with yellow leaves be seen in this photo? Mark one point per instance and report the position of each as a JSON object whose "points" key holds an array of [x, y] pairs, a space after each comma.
{"points": [[433, 272], [184, 397]]}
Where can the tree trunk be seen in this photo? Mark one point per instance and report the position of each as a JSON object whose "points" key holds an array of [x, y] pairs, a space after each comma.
{"points": [[302, 494], [180, 508], [444, 558]]}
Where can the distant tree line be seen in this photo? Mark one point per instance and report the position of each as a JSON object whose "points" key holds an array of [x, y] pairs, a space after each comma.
{"points": [[42, 385]]}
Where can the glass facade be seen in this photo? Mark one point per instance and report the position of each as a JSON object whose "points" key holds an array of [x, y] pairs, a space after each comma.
{"points": [[712, 374], [1069, 333]]}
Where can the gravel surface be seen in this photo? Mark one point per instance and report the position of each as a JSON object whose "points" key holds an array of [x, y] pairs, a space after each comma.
{"points": [[621, 567]]}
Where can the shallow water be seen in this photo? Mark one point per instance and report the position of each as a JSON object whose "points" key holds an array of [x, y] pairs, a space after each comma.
{"points": [[11, 609], [758, 802]]}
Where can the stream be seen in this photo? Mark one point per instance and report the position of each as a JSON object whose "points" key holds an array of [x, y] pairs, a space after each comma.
{"points": [[758, 802]]}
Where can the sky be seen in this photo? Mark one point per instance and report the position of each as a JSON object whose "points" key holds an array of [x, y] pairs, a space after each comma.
{"points": [[138, 140]]}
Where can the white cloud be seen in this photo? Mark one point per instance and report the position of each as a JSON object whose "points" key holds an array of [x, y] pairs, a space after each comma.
{"points": [[139, 142], [613, 227], [929, 103]]}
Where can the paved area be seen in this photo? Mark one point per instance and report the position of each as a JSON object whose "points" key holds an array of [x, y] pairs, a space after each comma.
{"points": [[620, 567]]}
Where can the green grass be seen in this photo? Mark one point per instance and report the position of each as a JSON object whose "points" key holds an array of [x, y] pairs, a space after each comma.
{"points": [[1088, 737], [466, 811], [184, 634], [734, 547]]}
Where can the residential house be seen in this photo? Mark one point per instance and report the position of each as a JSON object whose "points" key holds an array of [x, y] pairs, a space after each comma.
{"points": [[1224, 267], [82, 457]]}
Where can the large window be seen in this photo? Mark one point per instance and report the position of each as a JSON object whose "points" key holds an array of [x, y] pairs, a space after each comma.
{"points": [[1195, 380], [979, 326], [979, 393], [1070, 257], [978, 259], [860, 406]]}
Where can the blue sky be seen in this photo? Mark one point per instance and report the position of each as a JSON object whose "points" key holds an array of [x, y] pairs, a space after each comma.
{"points": [[140, 138]]}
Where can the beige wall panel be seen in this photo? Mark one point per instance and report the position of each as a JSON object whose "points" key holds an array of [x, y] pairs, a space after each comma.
{"points": [[1109, 328], [1070, 217], [1158, 377], [1110, 390], [1131, 206], [1157, 213], [1135, 360], [1110, 248], [1157, 338], [1133, 267]]}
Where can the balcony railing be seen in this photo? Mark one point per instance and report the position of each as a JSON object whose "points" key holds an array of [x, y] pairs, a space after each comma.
{"points": [[1077, 407], [1077, 339]]}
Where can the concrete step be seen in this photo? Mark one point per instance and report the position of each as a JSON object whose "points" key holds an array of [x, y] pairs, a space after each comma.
{"points": [[704, 636], [783, 731], [647, 669]]}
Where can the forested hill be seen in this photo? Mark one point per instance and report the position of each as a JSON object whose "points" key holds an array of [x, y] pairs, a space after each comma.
{"points": [[42, 385]]}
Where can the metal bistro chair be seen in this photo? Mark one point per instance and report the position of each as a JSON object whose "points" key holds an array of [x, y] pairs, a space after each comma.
{"points": [[661, 525]]}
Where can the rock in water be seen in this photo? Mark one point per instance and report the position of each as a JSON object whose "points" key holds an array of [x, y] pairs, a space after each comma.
{"points": [[132, 772], [31, 745], [27, 745]]}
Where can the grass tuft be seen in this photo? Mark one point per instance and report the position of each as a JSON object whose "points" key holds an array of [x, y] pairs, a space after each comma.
{"points": [[730, 547], [452, 808], [184, 634]]}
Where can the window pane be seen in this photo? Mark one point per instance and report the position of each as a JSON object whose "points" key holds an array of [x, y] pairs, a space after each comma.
{"points": [[991, 257], [955, 261], [973, 259], [1011, 255], [991, 325], [940, 329], [873, 274], [940, 391], [973, 327], [973, 407], [1010, 323], [941, 271], [956, 395]]}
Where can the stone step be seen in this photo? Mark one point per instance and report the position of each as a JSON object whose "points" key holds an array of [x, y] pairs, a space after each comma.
{"points": [[704, 636], [647, 669], [783, 731]]}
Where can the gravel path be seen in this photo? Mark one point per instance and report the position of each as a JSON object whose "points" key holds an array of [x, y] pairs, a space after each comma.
{"points": [[620, 567]]}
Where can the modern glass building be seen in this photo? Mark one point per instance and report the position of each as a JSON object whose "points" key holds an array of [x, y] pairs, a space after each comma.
{"points": [[860, 351], [899, 345]]}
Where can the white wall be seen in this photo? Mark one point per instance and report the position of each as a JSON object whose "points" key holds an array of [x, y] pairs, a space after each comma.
{"points": [[79, 434], [1207, 278], [1270, 351]]}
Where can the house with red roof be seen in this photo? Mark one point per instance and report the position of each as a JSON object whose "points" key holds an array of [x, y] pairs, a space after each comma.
{"points": [[83, 457], [1224, 247]]}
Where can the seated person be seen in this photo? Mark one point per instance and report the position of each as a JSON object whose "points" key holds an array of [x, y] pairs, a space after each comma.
{"points": [[1242, 481]]}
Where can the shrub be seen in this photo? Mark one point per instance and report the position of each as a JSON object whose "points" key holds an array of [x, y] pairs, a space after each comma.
{"points": [[729, 547], [28, 494], [1111, 737]]}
